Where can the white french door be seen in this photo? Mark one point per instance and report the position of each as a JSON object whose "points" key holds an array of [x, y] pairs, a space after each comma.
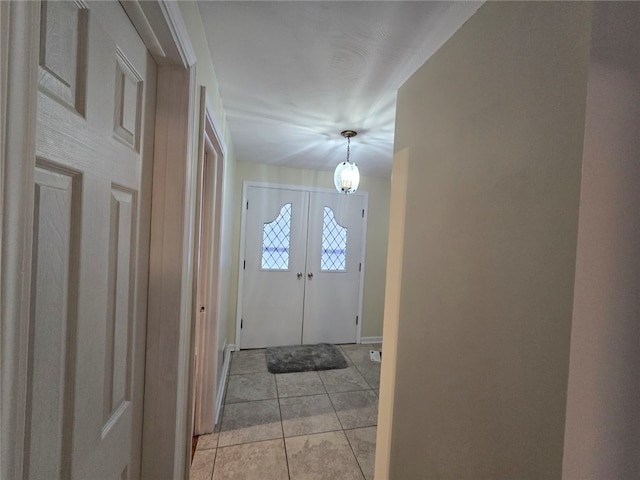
{"points": [[302, 266], [274, 274], [334, 267]]}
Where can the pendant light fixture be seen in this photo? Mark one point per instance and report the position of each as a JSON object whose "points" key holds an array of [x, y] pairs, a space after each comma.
{"points": [[346, 178]]}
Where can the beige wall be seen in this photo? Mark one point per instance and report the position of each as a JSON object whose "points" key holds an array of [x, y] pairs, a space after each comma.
{"points": [[492, 125], [377, 228], [602, 438], [205, 75]]}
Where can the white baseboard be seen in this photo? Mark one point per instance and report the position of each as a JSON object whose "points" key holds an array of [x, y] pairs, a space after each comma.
{"points": [[370, 339], [228, 348]]}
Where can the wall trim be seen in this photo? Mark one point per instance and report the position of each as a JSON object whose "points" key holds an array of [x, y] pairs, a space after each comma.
{"points": [[169, 352], [205, 381], [363, 263], [166, 445], [370, 339], [162, 29], [177, 28], [228, 348]]}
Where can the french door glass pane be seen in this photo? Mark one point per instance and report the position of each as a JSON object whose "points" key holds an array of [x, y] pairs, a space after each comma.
{"points": [[334, 244], [276, 241]]}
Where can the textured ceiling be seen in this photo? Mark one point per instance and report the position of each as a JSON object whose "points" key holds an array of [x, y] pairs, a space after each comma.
{"points": [[293, 75]]}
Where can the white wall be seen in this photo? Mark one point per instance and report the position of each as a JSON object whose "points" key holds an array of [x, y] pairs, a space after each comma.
{"points": [[492, 126], [602, 438], [377, 229]]}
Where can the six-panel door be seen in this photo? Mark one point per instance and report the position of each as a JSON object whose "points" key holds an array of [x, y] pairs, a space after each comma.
{"points": [[91, 244]]}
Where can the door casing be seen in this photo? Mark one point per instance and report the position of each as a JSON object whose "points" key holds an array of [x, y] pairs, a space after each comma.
{"points": [[207, 290], [245, 187]]}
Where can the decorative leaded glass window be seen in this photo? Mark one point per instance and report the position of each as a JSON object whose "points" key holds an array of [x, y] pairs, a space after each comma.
{"points": [[276, 241], [334, 244]]}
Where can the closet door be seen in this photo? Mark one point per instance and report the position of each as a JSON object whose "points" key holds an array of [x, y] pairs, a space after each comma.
{"points": [[94, 144], [334, 255], [274, 267]]}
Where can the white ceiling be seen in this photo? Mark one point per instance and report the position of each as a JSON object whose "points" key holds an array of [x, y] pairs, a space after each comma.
{"points": [[293, 75]]}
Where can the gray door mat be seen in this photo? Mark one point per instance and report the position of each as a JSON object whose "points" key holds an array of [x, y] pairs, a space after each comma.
{"points": [[304, 358]]}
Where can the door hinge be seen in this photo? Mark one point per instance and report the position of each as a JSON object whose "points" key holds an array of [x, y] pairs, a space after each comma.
{"points": [[363, 213], [356, 319], [241, 322], [360, 268], [244, 264], [247, 205]]}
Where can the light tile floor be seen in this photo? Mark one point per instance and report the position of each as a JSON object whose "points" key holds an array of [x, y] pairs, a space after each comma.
{"points": [[297, 426]]}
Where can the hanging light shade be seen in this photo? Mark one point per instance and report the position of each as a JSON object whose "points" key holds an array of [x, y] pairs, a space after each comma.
{"points": [[346, 177]]}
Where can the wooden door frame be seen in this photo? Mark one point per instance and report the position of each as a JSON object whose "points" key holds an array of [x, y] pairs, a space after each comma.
{"points": [[205, 378], [245, 186], [166, 439]]}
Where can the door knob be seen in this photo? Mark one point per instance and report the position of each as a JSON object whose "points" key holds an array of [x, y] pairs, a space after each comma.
{"points": [[299, 275], [310, 275]]}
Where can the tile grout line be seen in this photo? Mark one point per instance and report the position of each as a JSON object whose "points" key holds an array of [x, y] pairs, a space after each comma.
{"points": [[259, 441], [345, 430], [284, 440], [342, 426], [333, 406], [258, 400], [354, 454], [224, 405], [344, 433], [215, 456], [219, 427]]}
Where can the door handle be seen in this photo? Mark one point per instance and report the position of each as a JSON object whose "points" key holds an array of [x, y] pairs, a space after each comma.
{"points": [[310, 275], [299, 275]]}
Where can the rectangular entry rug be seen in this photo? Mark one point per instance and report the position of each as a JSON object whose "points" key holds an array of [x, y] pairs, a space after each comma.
{"points": [[304, 358]]}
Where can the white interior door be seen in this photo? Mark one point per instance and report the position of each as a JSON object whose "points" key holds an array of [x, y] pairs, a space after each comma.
{"points": [[302, 269], [334, 256], [91, 235], [274, 267], [204, 292]]}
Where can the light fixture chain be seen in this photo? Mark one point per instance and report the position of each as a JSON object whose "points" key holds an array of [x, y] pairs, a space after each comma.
{"points": [[348, 148]]}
